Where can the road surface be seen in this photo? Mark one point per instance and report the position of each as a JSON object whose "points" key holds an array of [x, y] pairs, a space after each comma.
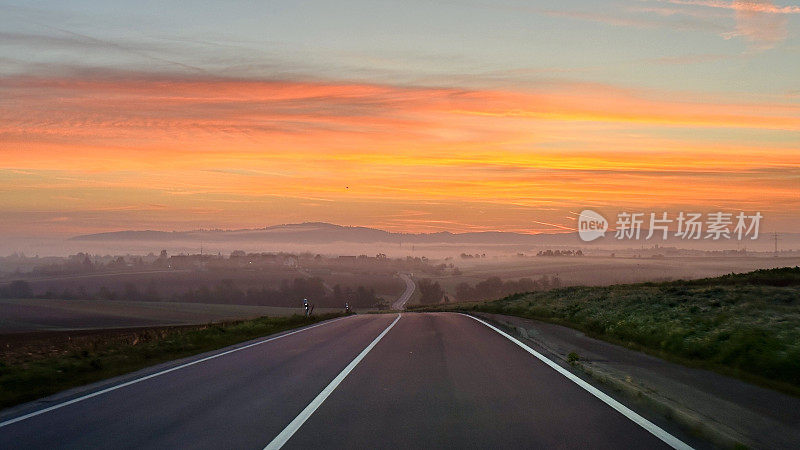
{"points": [[374, 381], [400, 303]]}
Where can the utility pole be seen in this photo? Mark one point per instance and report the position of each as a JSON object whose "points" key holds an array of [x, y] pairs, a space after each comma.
{"points": [[775, 237]]}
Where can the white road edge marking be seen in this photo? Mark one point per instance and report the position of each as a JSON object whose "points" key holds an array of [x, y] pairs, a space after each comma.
{"points": [[654, 429], [128, 383], [301, 418]]}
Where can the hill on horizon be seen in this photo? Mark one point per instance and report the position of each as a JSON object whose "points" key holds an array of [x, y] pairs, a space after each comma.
{"points": [[320, 232], [314, 233]]}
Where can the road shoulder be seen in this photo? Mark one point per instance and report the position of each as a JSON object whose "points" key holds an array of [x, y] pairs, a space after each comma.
{"points": [[727, 412]]}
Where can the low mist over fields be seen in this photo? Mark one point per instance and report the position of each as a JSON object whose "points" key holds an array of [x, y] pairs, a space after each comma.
{"points": [[325, 238], [332, 266]]}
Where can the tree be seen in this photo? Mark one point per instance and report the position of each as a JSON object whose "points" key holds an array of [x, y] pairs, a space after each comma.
{"points": [[118, 263], [162, 260], [492, 287], [526, 285], [364, 298], [151, 293], [106, 294], [464, 291], [226, 292], [311, 288], [338, 295], [544, 282], [431, 291], [132, 292], [88, 265], [18, 289]]}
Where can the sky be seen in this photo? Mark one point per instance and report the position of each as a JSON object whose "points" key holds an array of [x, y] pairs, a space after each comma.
{"points": [[410, 115]]}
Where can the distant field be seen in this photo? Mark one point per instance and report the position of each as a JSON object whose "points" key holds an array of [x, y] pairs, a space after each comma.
{"points": [[603, 271], [168, 282], [21, 315]]}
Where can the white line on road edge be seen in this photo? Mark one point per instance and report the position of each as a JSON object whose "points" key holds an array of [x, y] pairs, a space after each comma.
{"points": [[298, 421], [128, 383], [654, 429]]}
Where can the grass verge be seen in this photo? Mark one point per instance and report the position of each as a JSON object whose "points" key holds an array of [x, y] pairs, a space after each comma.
{"points": [[743, 325], [103, 356]]}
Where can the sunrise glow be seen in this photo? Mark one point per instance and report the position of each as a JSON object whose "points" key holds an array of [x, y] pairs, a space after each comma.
{"points": [[104, 131]]}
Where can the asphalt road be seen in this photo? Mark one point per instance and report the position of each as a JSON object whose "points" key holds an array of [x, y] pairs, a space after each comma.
{"points": [[373, 381], [400, 303]]}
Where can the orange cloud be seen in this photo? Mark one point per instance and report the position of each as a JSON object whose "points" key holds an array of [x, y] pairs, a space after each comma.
{"points": [[250, 152]]}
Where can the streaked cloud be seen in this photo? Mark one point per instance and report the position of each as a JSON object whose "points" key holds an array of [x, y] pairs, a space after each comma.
{"points": [[633, 17], [760, 22], [451, 123], [690, 59], [755, 6], [240, 151]]}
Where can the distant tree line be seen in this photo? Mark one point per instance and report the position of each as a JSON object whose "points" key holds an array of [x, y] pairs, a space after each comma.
{"points": [[73, 264], [16, 289], [85, 263], [129, 291], [559, 253], [290, 293]]}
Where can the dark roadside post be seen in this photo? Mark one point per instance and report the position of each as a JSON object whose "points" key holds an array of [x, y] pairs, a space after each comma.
{"points": [[306, 307]]}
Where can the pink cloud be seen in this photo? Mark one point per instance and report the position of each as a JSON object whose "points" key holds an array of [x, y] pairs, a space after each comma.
{"points": [[742, 5], [763, 27], [760, 22]]}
